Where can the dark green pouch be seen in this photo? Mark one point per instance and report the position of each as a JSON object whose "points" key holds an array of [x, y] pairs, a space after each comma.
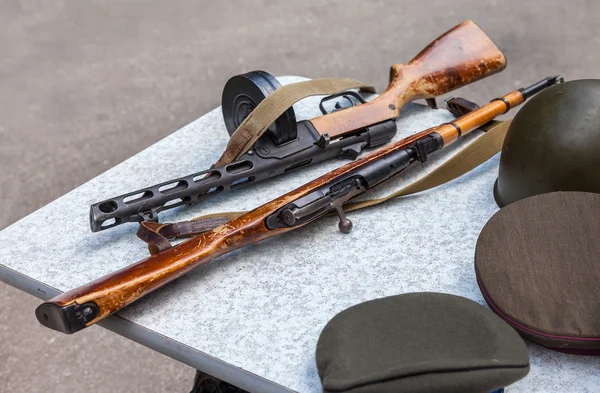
{"points": [[417, 343]]}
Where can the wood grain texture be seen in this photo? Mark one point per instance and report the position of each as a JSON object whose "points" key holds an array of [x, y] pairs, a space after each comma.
{"points": [[481, 116], [461, 56]]}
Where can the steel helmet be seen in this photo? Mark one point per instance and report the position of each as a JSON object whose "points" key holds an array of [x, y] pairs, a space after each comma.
{"points": [[553, 144]]}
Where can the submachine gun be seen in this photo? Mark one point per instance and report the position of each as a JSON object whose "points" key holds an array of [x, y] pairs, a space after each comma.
{"points": [[462, 55]]}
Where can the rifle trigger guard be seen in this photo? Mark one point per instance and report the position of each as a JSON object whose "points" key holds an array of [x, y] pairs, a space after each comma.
{"points": [[348, 95]]}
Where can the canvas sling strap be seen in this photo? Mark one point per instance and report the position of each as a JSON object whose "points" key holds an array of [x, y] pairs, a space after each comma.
{"points": [[275, 104], [157, 235]]}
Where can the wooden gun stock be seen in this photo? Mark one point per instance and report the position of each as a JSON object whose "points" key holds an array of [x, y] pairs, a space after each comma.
{"points": [[461, 56]]}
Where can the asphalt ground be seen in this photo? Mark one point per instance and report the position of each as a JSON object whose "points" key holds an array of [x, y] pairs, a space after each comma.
{"points": [[86, 84]]}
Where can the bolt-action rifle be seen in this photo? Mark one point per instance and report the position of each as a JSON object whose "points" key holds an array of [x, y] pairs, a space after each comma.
{"points": [[462, 55], [88, 304]]}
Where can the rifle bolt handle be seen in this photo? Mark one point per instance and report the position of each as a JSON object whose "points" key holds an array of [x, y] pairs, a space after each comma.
{"points": [[345, 225]]}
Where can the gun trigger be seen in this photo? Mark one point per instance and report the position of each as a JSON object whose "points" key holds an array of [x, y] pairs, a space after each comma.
{"points": [[352, 151]]}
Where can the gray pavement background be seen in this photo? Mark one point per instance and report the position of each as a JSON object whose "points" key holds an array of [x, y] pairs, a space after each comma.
{"points": [[86, 84]]}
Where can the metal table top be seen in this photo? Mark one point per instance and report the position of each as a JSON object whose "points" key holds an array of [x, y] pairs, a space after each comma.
{"points": [[253, 317]]}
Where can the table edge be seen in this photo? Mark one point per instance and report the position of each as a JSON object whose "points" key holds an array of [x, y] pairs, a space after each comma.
{"points": [[153, 340]]}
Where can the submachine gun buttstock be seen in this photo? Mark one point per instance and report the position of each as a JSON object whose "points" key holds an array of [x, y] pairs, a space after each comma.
{"points": [[265, 160]]}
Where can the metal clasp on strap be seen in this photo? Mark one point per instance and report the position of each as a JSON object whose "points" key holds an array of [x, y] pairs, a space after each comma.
{"points": [[149, 215]]}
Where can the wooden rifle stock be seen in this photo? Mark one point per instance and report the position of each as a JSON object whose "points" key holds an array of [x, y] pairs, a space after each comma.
{"points": [[86, 305], [462, 55]]}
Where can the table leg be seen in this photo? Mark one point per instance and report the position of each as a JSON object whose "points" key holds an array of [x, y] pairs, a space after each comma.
{"points": [[205, 383]]}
